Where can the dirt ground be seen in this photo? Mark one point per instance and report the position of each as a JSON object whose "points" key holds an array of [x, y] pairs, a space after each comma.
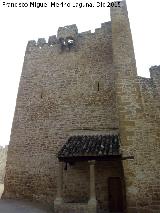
{"points": [[14, 206]]}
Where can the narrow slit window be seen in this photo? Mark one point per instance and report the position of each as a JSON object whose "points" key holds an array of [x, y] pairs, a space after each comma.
{"points": [[98, 86]]}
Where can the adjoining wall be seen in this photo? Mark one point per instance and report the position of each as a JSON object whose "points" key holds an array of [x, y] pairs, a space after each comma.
{"points": [[62, 90], [138, 103], [148, 147], [3, 158]]}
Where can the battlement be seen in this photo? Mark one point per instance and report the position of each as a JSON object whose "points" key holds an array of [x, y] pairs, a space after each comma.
{"points": [[145, 82], [70, 31], [154, 77], [68, 35], [150, 84], [154, 71]]}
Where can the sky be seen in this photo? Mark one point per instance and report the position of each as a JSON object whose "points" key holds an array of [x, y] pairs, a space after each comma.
{"points": [[20, 24]]}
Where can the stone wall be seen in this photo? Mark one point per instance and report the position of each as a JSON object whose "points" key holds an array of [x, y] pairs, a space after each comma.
{"points": [[76, 182], [147, 148], [138, 103], [3, 158], [62, 91]]}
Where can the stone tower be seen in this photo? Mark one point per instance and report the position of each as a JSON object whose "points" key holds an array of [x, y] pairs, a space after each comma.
{"points": [[126, 92], [85, 135]]}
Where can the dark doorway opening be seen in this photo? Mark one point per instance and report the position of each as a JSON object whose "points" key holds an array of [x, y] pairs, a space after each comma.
{"points": [[115, 192]]}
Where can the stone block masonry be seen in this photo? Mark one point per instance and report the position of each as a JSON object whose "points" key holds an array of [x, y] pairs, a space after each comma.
{"points": [[61, 92], [86, 84], [3, 158]]}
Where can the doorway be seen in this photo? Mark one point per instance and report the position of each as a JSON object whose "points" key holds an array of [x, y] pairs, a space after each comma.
{"points": [[115, 194]]}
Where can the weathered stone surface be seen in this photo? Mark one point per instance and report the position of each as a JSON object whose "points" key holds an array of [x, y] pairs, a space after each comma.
{"points": [[69, 31], [1, 189], [91, 89], [3, 158]]}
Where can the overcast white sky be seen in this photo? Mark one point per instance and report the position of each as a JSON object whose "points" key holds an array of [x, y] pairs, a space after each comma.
{"points": [[18, 25]]}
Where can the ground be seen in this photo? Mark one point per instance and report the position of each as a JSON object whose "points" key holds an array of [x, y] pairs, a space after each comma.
{"points": [[8, 206]]}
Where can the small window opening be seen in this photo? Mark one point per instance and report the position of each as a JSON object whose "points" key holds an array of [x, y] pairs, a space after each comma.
{"points": [[69, 43], [98, 86], [65, 167], [66, 43]]}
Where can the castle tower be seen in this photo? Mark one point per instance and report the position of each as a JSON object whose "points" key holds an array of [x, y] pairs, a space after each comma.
{"points": [[125, 83], [66, 95], [85, 123]]}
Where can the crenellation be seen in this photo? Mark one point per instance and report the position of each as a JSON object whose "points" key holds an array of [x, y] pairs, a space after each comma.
{"points": [[70, 31], [145, 81], [85, 33], [41, 42], [98, 30], [107, 26], [155, 72], [31, 44], [155, 68], [52, 40], [155, 76]]}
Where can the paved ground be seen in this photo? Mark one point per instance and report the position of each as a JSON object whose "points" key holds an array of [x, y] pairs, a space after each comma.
{"points": [[14, 206]]}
